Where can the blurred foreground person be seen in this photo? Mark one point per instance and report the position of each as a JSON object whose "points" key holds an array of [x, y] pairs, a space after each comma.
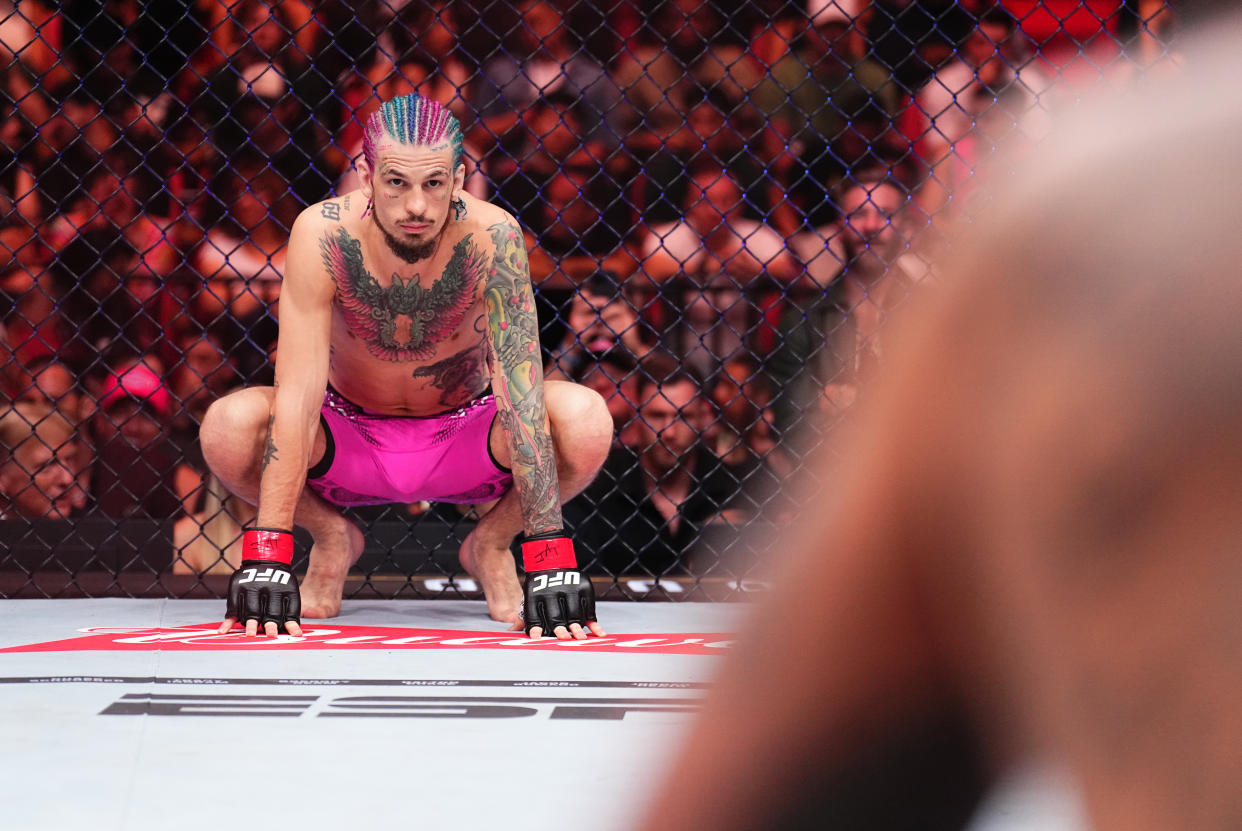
{"points": [[1030, 549]]}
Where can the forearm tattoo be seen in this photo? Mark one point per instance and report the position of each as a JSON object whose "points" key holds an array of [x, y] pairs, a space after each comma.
{"points": [[518, 379], [269, 450]]}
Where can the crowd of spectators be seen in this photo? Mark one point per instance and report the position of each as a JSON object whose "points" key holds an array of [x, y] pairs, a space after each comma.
{"points": [[721, 203]]}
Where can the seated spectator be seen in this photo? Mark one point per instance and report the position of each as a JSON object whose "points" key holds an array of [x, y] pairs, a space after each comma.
{"points": [[915, 39], [258, 27], [722, 257], [40, 461], [717, 130], [268, 98], [990, 91], [154, 124], [31, 43], [579, 222], [49, 381], [26, 265], [19, 198], [538, 59], [245, 247], [826, 349], [744, 439], [35, 325], [73, 138], [138, 470], [816, 91], [205, 371], [113, 266], [650, 503], [816, 172], [601, 319], [743, 436], [714, 236], [531, 150], [31, 54], [653, 77], [165, 249], [208, 539], [142, 307], [863, 206], [681, 47], [242, 259], [614, 375], [428, 35], [95, 207], [107, 47]]}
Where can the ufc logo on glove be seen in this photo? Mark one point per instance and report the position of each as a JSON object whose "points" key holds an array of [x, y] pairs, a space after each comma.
{"points": [[548, 579], [267, 575]]}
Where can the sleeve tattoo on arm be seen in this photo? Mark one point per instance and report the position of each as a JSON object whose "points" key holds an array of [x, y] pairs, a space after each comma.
{"points": [[518, 380]]}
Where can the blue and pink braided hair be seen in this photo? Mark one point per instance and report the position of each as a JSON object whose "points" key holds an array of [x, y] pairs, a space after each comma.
{"points": [[413, 120]]}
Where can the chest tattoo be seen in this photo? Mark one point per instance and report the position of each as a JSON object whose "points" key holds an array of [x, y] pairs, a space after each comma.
{"points": [[403, 321]]}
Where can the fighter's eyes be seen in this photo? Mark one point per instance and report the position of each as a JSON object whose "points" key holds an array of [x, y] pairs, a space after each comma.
{"points": [[396, 182]]}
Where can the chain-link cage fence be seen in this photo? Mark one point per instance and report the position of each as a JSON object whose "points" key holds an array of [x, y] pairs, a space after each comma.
{"points": [[722, 202]]}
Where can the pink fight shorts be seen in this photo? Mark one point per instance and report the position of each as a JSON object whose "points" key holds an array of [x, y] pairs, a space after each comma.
{"points": [[373, 459]]}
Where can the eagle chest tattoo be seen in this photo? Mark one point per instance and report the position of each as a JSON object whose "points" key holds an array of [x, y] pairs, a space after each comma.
{"points": [[404, 321]]}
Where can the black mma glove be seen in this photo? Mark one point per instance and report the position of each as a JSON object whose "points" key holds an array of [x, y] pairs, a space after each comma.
{"points": [[264, 588], [555, 592]]}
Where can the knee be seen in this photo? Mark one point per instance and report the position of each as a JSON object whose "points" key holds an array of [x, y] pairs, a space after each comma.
{"points": [[231, 420], [581, 424]]}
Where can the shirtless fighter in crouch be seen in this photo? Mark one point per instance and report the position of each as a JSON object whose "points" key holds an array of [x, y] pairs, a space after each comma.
{"points": [[408, 369]]}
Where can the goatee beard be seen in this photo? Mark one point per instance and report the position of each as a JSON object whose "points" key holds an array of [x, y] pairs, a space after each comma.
{"points": [[409, 253]]}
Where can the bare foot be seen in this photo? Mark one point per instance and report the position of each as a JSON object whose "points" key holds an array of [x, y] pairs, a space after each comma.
{"points": [[493, 566], [331, 556], [321, 596]]}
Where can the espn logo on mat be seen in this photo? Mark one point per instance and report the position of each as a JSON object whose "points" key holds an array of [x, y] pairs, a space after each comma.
{"points": [[552, 579], [553, 708]]}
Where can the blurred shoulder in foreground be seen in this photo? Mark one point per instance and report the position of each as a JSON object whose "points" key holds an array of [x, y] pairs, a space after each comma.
{"points": [[1030, 546]]}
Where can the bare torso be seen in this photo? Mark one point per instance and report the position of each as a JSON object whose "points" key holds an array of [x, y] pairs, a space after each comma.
{"points": [[407, 339]]}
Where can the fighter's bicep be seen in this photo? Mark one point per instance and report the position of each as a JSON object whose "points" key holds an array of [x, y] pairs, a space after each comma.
{"points": [[305, 312]]}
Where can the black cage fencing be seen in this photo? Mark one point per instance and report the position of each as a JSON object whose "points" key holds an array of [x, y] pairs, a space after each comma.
{"points": [[722, 201]]}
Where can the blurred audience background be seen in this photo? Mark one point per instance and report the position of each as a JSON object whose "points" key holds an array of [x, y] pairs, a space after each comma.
{"points": [[723, 204]]}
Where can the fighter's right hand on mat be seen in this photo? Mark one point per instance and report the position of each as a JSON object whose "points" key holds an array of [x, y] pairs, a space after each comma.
{"points": [[264, 591]]}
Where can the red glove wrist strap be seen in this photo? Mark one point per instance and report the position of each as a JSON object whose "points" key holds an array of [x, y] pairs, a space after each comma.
{"points": [[267, 544], [542, 554]]}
